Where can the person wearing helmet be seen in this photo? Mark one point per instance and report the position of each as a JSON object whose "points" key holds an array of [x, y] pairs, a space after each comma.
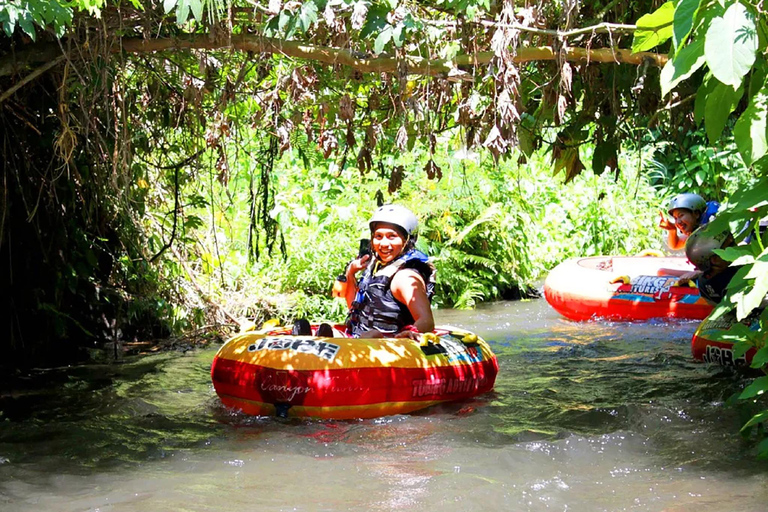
{"points": [[713, 273], [689, 211], [393, 295]]}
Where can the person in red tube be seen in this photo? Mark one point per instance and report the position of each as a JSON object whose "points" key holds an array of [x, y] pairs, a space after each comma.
{"points": [[392, 297], [689, 212]]}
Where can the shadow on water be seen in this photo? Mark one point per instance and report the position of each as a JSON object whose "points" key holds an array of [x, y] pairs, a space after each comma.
{"points": [[592, 398]]}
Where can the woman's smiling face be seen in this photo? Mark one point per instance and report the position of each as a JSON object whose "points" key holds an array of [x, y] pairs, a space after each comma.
{"points": [[387, 242], [685, 220]]}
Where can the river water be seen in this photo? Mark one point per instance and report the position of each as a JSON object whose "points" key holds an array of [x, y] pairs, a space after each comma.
{"points": [[585, 417]]}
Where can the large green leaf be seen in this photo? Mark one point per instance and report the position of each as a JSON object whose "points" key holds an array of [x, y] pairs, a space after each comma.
{"points": [[762, 449], [749, 197], [5, 20], [398, 35], [654, 28], [375, 21], [720, 103], [384, 37], [197, 9], [750, 129], [757, 418], [307, 15], [604, 157], [750, 300], [700, 103], [683, 65], [182, 12], [683, 20], [758, 77], [738, 255], [26, 15], [25, 22], [758, 387], [760, 358], [740, 348], [731, 45]]}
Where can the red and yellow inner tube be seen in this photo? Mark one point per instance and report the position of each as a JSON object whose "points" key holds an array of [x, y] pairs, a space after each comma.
{"points": [[272, 372]]}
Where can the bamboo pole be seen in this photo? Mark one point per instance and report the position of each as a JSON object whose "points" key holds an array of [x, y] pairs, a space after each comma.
{"points": [[455, 68]]}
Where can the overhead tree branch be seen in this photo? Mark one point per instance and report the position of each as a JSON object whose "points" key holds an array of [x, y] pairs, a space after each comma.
{"points": [[356, 60], [365, 63]]}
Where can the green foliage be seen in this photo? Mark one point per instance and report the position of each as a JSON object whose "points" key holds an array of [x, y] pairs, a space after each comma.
{"points": [[731, 44], [714, 172], [492, 230], [655, 28], [721, 101], [687, 62], [195, 9], [734, 41], [43, 13], [750, 129]]}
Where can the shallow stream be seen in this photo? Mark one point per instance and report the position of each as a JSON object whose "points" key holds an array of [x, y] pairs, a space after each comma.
{"points": [[585, 417]]}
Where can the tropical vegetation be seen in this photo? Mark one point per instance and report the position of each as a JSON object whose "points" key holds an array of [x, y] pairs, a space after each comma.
{"points": [[184, 164]]}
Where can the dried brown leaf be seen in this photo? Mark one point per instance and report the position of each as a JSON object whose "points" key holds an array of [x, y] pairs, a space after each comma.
{"points": [[433, 170], [373, 101], [284, 135], [307, 120], [327, 143], [401, 140], [496, 142], [274, 6], [346, 108], [371, 136], [562, 107], [329, 16], [359, 14], [364, 160], [566, 78], [292, 6], [350, 137], [396, 179], [575, 167], [507, 109]]}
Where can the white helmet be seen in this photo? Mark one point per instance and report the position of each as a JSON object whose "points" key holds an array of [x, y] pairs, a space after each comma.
{"points": [[396, 215], [693, 202], [700, 246]]}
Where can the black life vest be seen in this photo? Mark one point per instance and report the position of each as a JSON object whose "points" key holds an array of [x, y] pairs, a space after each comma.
{"points": [[375, 307], [713, 288]]}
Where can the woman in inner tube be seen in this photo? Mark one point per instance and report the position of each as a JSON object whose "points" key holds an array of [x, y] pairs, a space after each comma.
{"points": [[392, 298]]}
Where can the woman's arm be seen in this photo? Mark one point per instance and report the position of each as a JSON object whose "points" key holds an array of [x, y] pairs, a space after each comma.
{"points": [[673, 241], [408, 287], [353, 268]]}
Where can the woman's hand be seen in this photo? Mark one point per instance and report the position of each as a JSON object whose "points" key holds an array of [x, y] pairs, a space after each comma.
{"points": [[353, 268], [664, 223], [357, 265], [688, 277], [410, 332]]}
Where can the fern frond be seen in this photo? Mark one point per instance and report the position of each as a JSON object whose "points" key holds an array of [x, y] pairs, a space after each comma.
{"points": [[491, 214]]}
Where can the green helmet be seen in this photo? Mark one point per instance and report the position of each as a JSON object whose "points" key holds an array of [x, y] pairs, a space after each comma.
{"points": [[693, 202], [700, 246], [396, 215]]}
